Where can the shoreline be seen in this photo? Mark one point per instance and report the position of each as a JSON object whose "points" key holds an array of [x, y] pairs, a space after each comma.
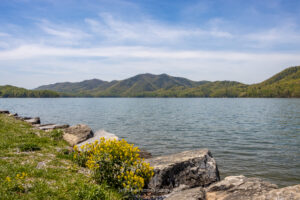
{"points": [[35, 123]]}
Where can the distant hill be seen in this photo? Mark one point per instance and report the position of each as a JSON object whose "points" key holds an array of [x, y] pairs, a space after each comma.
{"points": [[283, 84], [12, 91], [209, 89], [68, 87], [134, 86]]}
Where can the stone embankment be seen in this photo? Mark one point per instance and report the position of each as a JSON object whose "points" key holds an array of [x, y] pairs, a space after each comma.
{"points": [[189, 175]]}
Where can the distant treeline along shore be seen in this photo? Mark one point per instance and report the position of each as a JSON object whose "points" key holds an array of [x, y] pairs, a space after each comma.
{"points": [[285, 84]]}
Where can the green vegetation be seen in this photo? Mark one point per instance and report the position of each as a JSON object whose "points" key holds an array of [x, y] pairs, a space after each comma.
{"points": [[11, 91], [283, 84], [36, 164], [115, 163]]}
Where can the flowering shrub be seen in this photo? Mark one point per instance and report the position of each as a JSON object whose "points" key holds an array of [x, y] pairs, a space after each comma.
{"points": [[115, 163]]}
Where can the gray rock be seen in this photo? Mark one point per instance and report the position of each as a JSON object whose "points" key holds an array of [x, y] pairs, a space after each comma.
{"points": [[13, 114], [97, 136], [4, 112], [286, 193], [238, 188], [53, 126], [192, 168], [41, 165], [78, 133], [23, 118], [35, 120], [197, 193]]}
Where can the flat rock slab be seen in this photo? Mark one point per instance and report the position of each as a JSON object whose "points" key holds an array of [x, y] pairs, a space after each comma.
{"points": [[197, 193], [97, 136], [23, 118], [77, 134], [53, 126], [35, 120], [286, 193], [191, 168], [238, 188]]}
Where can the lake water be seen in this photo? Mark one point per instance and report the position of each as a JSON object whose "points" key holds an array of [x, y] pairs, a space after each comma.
{"points": [[253, 137]]}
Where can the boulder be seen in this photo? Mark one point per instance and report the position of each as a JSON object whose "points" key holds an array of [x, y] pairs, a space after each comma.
{"points": [[197, 193], [53, 126], [35, 120], [13, 114], [4, 112], [97, 136], [286, 193], [191, 168], [78, 133], [238, 188]]}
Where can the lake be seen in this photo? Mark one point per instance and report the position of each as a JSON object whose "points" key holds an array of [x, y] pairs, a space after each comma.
{"points": [[253, 137]]}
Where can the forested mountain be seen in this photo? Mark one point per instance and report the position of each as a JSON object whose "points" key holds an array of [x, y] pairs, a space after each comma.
{"points": [[134, 86], [283, 84], [68, 87], [12, 91]]}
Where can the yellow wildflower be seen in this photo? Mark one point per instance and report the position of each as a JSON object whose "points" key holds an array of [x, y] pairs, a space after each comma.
{"points": [[8, 179]]}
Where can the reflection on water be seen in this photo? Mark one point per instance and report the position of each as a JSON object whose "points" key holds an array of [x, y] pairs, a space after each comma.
{"points": [[254, 137]]}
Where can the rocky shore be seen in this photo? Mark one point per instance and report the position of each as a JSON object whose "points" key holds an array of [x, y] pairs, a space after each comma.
{"points": [[189, 175]]}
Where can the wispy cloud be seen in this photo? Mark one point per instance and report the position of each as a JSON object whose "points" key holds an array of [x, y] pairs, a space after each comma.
{"points": [[147, 30], [283, 34], [4, 34], [31, 51], [61, 33], [35, 51]]}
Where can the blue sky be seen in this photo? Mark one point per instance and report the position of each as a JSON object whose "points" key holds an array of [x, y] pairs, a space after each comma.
{"points": [[47, 41]]}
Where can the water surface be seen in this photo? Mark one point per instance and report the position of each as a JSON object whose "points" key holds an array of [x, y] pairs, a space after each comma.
{"points": [[253, 137]]}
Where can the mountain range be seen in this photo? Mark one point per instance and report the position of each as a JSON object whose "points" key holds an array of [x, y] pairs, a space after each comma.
{"points": [[283, 84], [134, 86]]}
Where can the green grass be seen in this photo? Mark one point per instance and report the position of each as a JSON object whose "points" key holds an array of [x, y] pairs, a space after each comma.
{"points": [[44, 157]]}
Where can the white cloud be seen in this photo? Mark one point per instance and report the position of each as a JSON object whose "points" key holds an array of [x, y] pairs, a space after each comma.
{"points": [[35, 51], [62, 31], [281, 34], [4, 34], [148, 31]]}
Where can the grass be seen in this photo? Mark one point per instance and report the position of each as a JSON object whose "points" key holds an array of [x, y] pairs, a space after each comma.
{"points": [[35, 164]]}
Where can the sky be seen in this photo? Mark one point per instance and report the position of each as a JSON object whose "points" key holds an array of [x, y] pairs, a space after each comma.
{"points": [[49, 41]]}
